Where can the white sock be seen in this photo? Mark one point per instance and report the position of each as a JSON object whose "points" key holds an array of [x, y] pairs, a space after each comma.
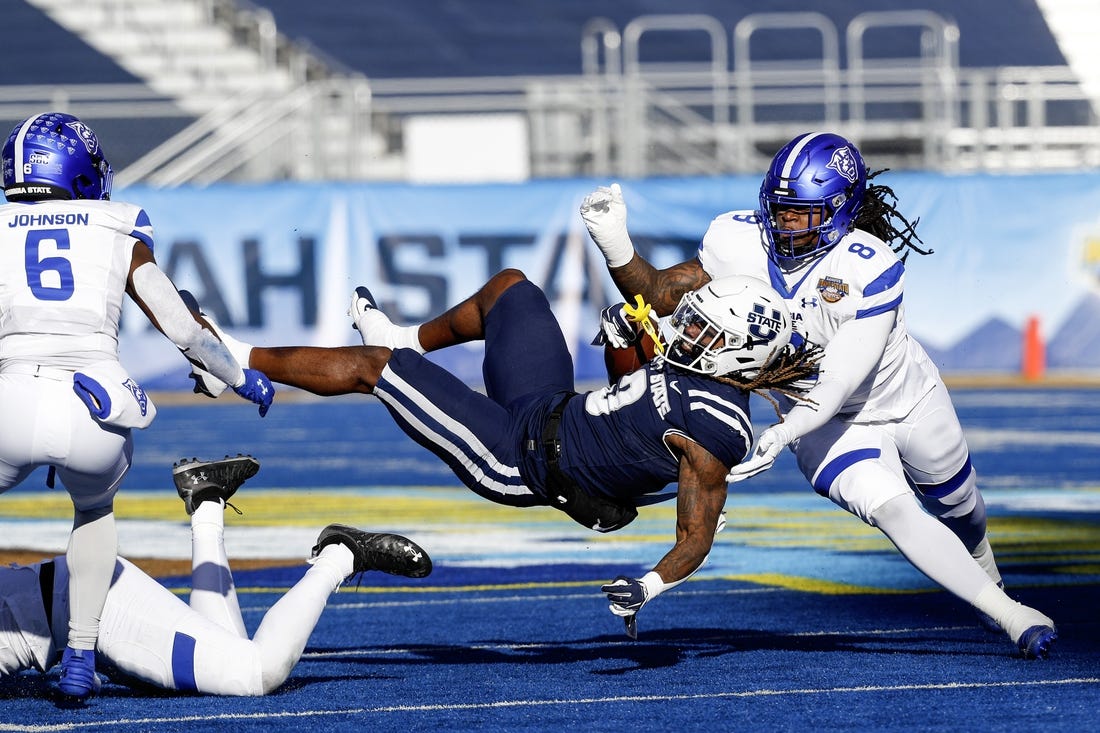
{"points": [[983, 553], [407, 337], [1014, 617], [930, 547], [91, 557], [213, 594], [376, 329], [286, 627]]}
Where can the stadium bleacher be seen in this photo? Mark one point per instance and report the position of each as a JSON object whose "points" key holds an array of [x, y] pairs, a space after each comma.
{"points": [[488, 38], [37, 50], [441, 39], [437, 38]]}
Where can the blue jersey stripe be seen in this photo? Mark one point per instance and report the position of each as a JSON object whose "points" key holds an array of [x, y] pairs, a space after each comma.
{"points": [[883, 308], [886, 280]]}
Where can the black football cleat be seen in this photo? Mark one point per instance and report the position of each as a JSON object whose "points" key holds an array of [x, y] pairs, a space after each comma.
{"points": [[389, 553], [198, 481]]}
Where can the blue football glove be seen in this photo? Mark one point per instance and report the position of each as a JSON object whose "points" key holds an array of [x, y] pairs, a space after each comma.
{"points": [[257, 388], [627, 595]]}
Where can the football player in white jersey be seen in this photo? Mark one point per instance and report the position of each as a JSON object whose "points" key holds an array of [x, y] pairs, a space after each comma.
{"points": [[67, 255], [148, 633], [877, 433]]}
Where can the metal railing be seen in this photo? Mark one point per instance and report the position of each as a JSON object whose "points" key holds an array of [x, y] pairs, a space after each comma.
{"points": [[624, 117]]}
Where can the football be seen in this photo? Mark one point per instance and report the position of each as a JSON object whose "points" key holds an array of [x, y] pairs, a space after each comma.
{"points": [[624, 361]]}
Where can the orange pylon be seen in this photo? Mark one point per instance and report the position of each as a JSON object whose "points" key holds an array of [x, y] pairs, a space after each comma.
{"points": [[1034, 355]]}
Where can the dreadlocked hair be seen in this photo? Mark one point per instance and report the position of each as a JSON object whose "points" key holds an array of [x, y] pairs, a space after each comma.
{"points": [[879, 215], [781, 375]]}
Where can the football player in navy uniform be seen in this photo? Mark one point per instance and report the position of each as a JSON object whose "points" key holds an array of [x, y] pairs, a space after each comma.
{"points": [[877, 434], [532, 440], [67, 255]]}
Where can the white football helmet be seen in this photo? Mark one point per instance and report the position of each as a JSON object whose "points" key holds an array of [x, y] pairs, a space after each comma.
{"points": [[731, 326]]}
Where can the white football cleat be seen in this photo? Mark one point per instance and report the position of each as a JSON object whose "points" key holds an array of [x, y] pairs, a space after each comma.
{"points": [[374, 327]]}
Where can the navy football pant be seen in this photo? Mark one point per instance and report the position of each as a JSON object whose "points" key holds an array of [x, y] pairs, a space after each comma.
{"points": [[482, 437]]}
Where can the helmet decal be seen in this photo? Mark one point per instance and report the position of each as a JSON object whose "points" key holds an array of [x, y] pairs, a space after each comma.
{"points": [[91, 142], [844, 163], [764, 325]]}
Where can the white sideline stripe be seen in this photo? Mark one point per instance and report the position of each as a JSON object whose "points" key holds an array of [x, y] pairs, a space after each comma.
{"points": [[540, 703]]}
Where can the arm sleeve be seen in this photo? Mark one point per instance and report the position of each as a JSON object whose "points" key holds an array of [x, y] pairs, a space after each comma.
{"points": [[176, 322], [852, 353]]}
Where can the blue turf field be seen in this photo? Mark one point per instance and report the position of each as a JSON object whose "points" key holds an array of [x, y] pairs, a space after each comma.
{"points": [[803, 616]]}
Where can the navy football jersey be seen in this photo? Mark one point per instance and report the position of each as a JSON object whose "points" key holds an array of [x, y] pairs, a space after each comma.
{"points": [[613, 439]]}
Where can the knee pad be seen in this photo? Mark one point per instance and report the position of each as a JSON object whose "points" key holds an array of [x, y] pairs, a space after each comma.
{"points": [[961, 509], [954, 498]]}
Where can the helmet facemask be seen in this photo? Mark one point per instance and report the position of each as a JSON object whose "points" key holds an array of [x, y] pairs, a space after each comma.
{"points": [[698, 341], [798, 244]]}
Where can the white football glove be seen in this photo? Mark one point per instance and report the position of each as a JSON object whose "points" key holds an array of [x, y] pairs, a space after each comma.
{"points": [[771, 443], [205, 382], [604, 213]]}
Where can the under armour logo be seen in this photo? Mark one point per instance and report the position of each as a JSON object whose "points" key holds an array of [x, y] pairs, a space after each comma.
{"points": [[809, 302]]}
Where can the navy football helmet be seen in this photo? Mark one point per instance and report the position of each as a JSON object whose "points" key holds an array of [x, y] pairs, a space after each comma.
{"points": [[818, 171], [55, 156]]}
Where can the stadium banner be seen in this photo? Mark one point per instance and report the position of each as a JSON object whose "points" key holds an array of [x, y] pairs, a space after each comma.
{"points": [[276, 263]]}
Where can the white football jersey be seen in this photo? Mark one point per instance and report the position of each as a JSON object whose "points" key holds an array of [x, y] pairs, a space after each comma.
{"points": [[859, 277], [63, 270]]}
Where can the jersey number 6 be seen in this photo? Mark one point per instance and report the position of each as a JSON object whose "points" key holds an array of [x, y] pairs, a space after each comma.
{"points": [[57, 286]]}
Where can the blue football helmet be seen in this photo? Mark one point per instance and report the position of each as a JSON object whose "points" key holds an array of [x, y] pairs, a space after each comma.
{"points": [[55, 156], [818, 171]]}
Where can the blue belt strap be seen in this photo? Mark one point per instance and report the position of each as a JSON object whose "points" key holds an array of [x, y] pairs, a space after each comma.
{"points": [[183, 662]]}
